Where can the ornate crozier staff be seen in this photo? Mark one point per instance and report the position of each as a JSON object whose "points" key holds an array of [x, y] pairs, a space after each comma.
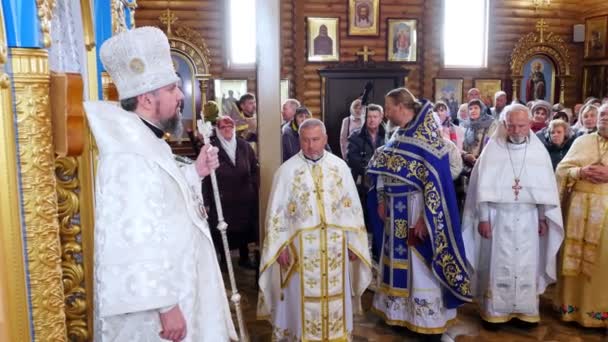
{"points": [[205, 129]]}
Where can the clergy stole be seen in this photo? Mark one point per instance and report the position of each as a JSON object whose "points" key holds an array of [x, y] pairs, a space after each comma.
{"points": [[395, 250], [323, 254]]}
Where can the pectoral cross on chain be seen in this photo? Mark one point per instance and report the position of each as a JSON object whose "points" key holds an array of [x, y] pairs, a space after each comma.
{"points": [[516, 187]]}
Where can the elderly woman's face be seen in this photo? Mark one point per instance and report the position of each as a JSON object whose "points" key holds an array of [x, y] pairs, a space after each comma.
{"points": [[558, 135], [464, 113], [226, 130], [590, 119]]}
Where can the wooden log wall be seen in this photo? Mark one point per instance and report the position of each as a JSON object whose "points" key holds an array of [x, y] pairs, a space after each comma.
{"points": [[308, 82], [592, 8], [509, 20], [208, 17]]}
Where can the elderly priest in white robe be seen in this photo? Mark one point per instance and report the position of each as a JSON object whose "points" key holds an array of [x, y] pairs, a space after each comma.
{"points": [[156, 273], [512, 222], [315, 261]]}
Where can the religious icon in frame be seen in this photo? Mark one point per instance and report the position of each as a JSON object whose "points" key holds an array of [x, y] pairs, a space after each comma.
{"points": [[596, 30], [401, 40], [323, 39], [487, 89], [449, 90], [228, 93], [538, 82], [363, 17], [189, 85], [594, 81]]}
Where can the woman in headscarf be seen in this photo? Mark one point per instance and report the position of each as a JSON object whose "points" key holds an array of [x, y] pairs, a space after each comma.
{"points": [[238, 183], [463, 114], [540, 115], [351, 123], [449, 131], [587, 120], [477, 132]]}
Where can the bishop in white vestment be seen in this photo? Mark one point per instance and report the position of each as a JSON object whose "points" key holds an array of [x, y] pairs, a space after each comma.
{"points": [[154, 257], [314, 216], [512, 222]]}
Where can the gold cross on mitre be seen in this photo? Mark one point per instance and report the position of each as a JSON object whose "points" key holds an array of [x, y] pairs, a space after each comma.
{"points": [[365, 52], [541, 26], [167, 19]]}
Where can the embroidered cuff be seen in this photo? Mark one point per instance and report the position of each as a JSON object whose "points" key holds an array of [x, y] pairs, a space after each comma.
{"points": [[575, 173]]}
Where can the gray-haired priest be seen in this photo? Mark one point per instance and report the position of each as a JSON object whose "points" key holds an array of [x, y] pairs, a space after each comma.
{"points": [[315, 261], [512, 222], [156, 273]]}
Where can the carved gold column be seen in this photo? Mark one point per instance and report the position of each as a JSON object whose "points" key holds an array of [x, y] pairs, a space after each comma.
{"points": [[68, 188], [39, 199]]}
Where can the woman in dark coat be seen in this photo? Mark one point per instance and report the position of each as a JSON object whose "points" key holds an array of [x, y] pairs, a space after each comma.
{"points": [[558, 139], [238, 183]]}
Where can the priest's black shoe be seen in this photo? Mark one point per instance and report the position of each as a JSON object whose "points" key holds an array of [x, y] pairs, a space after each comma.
{"points": [[490, 326], [431, 338]]}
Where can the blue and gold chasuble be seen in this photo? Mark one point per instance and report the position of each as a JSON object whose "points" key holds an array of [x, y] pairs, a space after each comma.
{"points": [[415, 159]]}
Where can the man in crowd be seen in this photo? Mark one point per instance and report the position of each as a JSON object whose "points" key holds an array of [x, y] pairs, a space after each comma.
{"points": [[361, 146], [315, 262], [157, 276], [500, 101], [583, 178], [248, 106], [290, 139], [288, 110], [512, 223]]}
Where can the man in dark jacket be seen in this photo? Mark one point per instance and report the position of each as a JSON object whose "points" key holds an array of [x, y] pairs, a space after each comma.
{"points": [[361, 146], [290, 140]]}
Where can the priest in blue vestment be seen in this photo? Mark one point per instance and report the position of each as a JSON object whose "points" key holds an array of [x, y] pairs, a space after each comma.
{"points": [[423, 273]]}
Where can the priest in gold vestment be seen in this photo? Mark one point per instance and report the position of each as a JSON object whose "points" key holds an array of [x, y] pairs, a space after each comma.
{"points": [[583, 180], [315, 260]]}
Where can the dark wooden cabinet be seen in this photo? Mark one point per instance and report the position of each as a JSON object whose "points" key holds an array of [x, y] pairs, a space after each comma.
{"points": [[342, 83]]}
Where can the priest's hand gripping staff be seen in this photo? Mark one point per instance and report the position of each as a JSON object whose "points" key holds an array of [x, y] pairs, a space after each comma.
{"points": [[222, 226]]}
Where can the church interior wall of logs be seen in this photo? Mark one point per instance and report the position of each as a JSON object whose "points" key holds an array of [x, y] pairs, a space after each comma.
{"points": [[508, 21]]}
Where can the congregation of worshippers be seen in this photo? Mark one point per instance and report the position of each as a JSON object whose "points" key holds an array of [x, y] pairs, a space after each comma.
{"points": [[490, 204]]}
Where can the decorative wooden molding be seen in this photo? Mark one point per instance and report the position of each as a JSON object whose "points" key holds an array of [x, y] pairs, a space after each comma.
{"points": [[540, 43]]}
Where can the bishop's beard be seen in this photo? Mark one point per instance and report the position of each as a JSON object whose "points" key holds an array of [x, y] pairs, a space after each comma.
{"points": [[174, 125]]}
